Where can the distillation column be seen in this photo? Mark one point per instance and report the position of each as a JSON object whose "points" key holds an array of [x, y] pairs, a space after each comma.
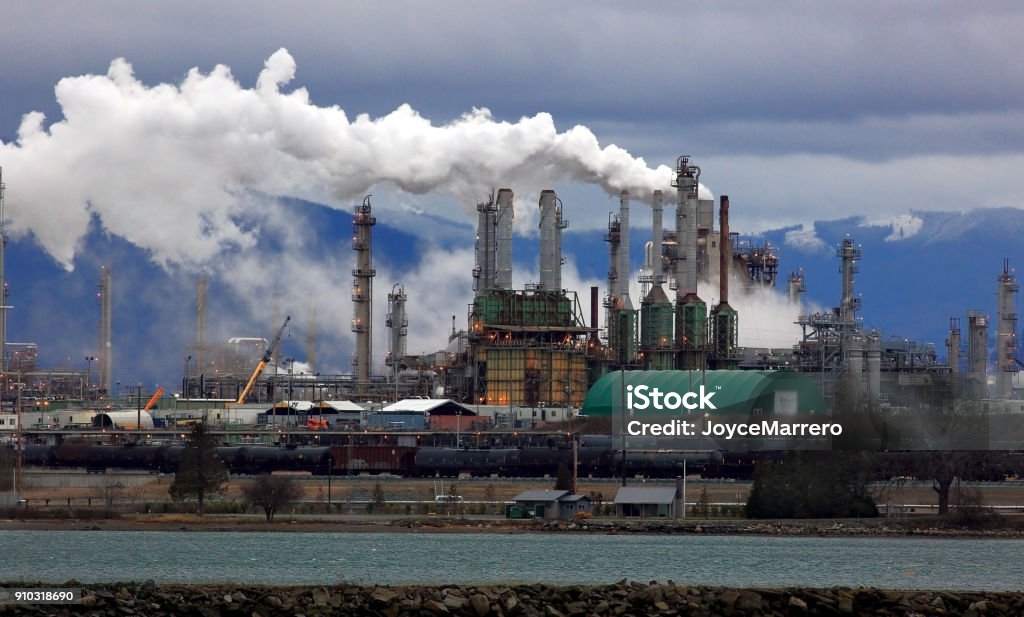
{"points": [[486, 254], [1006, 332], [624, 262], [656, 315], [691, 311], [724, 318], [977, 352], [551, 226], [796, 287], [849, 304], [613, 303], [953, 345], [3, 280], [201, 288], [362, 290], [106, 347], [398, 327], [311, 340], [506, 213]]}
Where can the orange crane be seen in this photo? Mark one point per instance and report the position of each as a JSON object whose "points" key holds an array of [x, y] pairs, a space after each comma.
{"points": [[156, 397], [263, 362]]}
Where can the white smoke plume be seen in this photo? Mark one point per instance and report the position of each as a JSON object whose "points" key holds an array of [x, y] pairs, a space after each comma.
{"points": [[175, 169]]}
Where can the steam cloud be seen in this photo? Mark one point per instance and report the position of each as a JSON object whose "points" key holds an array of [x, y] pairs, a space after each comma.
{"points": [[176, 169]]}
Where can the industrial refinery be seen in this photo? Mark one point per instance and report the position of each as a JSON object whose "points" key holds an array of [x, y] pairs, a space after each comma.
{"points": [[529, 358]]}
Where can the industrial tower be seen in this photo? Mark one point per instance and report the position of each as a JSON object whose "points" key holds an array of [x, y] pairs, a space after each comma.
{"points": [[1006, 332], [106, 348], [691, 311], [362, 291]]}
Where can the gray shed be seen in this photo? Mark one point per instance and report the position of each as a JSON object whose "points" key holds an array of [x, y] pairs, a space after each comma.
{"points": [[552, 504], [644, 502]]}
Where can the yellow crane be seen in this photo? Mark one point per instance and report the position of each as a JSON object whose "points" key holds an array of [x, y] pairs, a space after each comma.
{"points": [[263, 362]]}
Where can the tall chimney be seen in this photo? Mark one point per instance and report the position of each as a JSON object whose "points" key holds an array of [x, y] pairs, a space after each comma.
{"points": [[106, 329], [486, 254], [551, 226], [953, 345], [503, 275], [724, 252], [362, 291], [1006, 331], [3, 281], [977, 351], [657, 274], [201, 288], [624, 269], [849, 304]]}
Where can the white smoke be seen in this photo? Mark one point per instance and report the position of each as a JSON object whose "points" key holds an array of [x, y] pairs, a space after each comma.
{"points": [[174, 169]]}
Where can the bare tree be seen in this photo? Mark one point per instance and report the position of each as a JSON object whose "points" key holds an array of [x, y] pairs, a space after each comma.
{"points": [[272, 493], [110, 490]]}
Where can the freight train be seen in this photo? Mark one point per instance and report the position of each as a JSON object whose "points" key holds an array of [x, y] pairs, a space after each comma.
{"points": [[594, 457]]}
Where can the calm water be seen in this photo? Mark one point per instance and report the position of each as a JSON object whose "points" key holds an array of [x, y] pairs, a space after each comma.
{"points": [[393, 558]]}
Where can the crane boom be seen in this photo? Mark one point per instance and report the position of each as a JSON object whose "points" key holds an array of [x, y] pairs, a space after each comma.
{"points": [[156, 397], [263, 362]]}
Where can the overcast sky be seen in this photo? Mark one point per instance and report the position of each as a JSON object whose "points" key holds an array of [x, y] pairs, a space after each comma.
{"points": [[798, 111]]}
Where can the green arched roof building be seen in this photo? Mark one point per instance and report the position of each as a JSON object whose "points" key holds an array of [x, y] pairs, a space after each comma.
{"points": [[735, 392]]}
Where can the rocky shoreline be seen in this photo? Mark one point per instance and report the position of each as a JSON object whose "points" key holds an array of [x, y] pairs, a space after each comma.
{"points": [[615, 600]]}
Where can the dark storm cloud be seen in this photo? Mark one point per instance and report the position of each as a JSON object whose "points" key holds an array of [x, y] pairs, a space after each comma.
{"points": [[724, 64]]}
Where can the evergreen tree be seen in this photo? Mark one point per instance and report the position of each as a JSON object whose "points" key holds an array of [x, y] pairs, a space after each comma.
{"points": [[200, 472], [812, 485], [563, 479]]}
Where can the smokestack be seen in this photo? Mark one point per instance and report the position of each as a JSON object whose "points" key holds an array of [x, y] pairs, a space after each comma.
{"points": [[486, 253], [106, 329], [506, 212], [551, 226], [687, 181], [398, 326], [3, 281], [849, 304], [724, 251], [201, 287], [679, 255], [1006, 332], [624, 269], [594, 304], [311, 340], [657, 274], [977, 351], [362, 290], [953, 345]]}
